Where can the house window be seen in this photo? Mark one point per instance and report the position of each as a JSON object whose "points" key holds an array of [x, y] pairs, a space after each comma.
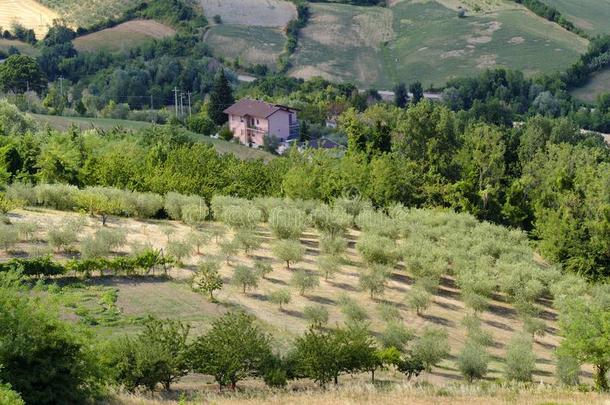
{"points": [[257, 121], [241, 119]]}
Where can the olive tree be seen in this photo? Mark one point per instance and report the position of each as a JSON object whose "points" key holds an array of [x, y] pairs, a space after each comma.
{"points": [[228, 249], [473, 361], [289, 251], [316, 315], [396, 335], [179, 249], [328, 265], [333, 245], [194, 214], [248, 240], [377, 249], [374, 279], [9, 236], [305, 281], [418, 299], [245, 277], [262, 268], [520, 359], [431, 346], [100, 201], [175, 204], [197, 239], [287, 223], [280, 297]]}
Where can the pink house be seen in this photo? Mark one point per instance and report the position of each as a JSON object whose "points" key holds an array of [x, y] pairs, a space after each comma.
{"points": [[250, 120]]}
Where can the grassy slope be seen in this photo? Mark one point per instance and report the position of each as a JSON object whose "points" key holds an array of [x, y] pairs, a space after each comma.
{"points": [[250, 44], [590, 15], [428, 42], [598, 84], [123, 36], [24, 48], [138, 298], [222, 146]]}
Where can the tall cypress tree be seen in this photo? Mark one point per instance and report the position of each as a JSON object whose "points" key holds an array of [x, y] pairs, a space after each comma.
{"points": [[401, 97], [221, 98]]}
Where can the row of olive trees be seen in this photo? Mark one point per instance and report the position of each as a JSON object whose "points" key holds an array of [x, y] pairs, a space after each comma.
{"points": [[107, 201]]}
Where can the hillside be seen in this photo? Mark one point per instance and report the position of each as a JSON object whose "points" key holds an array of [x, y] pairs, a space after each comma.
{"points": [[29, 13], [136, 298], [86, 13], [411, 40], [123, 36]]}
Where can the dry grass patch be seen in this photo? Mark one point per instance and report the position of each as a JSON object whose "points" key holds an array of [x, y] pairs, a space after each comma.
{"points": [[261, 13], [28, 13], [123, 36]]}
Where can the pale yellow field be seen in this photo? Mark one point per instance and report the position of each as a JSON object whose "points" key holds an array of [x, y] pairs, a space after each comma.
{"points": [[122, 36], [29, 13]]}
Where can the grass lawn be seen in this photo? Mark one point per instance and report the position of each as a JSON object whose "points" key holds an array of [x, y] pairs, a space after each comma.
{"points": [[426, 41], [591, 15], [598, 84], [222, 146], [251, 45]]}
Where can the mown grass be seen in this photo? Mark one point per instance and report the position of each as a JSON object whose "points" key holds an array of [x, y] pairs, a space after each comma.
{"points": [[248, 44], [86, 13], [591, 15], [426, 41]]}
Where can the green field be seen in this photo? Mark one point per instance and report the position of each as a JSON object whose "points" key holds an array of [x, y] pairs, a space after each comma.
{"points": [[222, 146], [591, 15], [426, 41], [598, 84], [251, 45]]}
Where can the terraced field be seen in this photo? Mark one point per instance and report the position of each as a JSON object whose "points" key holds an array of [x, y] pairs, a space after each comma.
{"points": [[590, 15], [123, 36], [28, 13], [249, 44], [86, 13], [426, 41]]}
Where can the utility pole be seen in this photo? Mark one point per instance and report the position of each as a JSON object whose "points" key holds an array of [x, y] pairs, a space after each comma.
{"points": [[176, 100], [189, 95], [181, 104]]}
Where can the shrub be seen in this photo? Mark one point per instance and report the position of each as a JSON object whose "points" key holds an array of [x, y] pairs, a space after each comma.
{"points": [[333, 245], [22, 192], [179, 249], [328, 265], [568, 370], [262, 268], [374, 280], [378, 250], [241, 216], [473, 361], [418, 299], [26, 230], [197, 240], [280, 297], [520, 359], [287, 223], [56, 196], [235, 348], [289, 251], [194, 214], [248, 240], [352, 311], [316, 315], [396, 335], [175, 202], [431, 347], [37, 344], [158, 355], [143, 205], [9, 237], [378, 223], [332, 222], [388, 312], [63, 238], [101, 201], [207, 279], [245, 277], [305, 281]]}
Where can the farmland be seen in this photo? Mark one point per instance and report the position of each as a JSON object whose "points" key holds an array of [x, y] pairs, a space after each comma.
{"points": [[85, 13], [249, 44], [123, 36], [262, 13], [590, 15], [426, 41], [23, 48], [28, 13]]}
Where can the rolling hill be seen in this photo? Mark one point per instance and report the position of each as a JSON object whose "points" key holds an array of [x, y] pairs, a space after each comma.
{"points": [[29, 13], [123, 36], [590, 15], [410, 40]]}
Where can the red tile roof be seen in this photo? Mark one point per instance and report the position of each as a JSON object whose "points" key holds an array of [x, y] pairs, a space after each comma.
{"points": [[253, 108]]}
